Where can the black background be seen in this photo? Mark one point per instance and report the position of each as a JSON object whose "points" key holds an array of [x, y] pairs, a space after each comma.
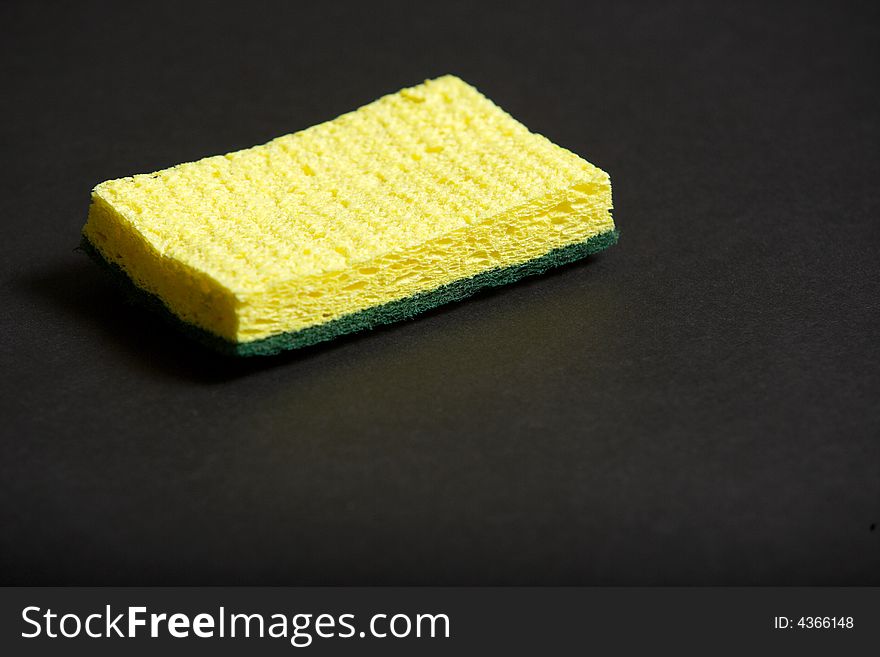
{"points": [[698, 405]]}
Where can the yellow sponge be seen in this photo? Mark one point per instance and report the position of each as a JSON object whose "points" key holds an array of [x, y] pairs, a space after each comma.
{"points": [[403, 199]]}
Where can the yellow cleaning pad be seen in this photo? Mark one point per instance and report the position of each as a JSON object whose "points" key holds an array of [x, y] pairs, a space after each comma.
{"points": [[416, 199]]}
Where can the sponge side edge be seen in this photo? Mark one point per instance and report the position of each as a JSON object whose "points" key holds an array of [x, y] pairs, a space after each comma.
{"points": [[369, 318], [194, 296]]}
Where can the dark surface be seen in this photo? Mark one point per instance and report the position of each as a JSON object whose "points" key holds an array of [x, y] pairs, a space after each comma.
{"points": [[698, 405]]}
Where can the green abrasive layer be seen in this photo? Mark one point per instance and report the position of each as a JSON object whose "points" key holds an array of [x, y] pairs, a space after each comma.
{"points": [[370, 317]]}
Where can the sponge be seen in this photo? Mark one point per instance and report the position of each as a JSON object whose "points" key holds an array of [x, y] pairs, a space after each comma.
{"points": [[417, 199]]}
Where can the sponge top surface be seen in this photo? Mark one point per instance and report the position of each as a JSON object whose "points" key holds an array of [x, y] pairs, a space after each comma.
{"points": [[409, 167]]}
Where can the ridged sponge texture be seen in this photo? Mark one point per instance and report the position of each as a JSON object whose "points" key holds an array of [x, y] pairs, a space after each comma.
{"points": [[412, 192]]}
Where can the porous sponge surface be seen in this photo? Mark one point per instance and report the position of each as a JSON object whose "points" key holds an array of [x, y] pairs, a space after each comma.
{"points": [[406, 195]]}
